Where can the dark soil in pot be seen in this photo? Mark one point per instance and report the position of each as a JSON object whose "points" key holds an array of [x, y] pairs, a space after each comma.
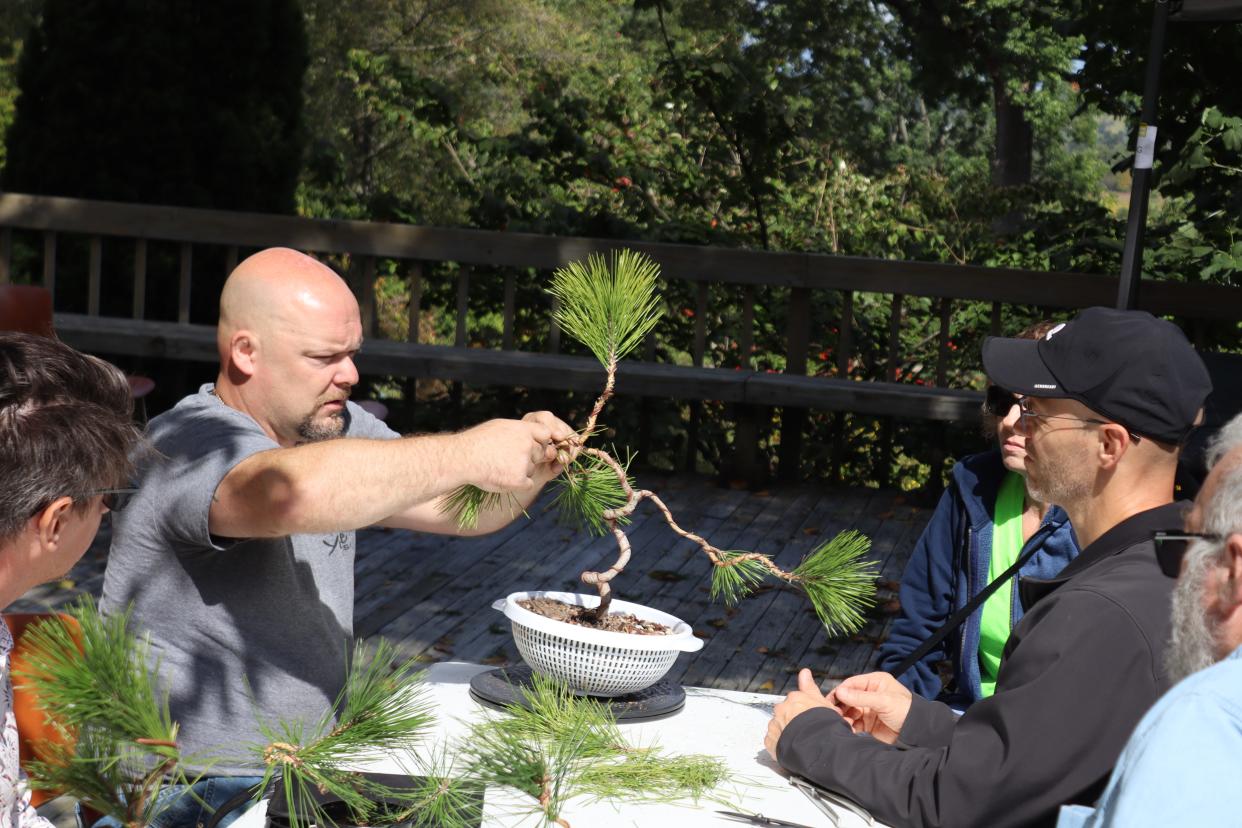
{"points": [[582, 616]]}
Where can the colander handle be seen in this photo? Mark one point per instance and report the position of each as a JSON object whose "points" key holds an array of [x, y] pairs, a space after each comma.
{"points": [[499, 604], [690, 645]]}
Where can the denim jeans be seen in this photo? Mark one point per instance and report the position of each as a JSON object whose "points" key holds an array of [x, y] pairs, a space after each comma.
{"points": [[192, 806]]}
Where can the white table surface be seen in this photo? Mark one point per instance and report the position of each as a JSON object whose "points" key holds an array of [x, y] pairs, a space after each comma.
{"points": [[723, 723]]}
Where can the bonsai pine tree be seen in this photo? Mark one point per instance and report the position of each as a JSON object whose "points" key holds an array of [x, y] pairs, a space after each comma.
{"points": [[610, 305]]}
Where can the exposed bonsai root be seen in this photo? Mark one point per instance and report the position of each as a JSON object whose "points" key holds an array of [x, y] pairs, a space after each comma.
{"points": [[600, 580]]}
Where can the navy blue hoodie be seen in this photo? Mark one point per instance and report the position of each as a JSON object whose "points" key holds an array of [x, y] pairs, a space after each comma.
{"points": [[949, 566]]}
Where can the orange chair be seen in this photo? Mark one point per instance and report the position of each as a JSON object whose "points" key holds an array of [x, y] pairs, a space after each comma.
{"points": [[26, 308], [32, 724]]}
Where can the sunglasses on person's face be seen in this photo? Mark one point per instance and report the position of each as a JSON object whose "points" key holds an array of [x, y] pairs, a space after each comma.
{"points": [[114, 499], [999, 402], [1171, 548]]}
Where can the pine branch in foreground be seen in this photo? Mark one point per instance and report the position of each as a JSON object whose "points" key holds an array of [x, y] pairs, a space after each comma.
{"points": [[559, 745], [121, 750], [382, 708]]}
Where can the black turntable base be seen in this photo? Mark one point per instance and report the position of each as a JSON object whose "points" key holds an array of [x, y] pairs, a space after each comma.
{"points": [[503, 687]]}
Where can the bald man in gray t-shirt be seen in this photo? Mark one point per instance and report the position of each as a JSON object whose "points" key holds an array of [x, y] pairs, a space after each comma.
{"points": [[242, 629], [237, 553]]}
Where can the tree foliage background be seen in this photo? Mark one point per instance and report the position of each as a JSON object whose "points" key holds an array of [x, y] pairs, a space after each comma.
{"points": [[993, 132]]}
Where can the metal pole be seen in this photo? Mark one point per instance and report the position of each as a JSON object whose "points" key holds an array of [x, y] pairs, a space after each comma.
{"points": [[1144, 151]]}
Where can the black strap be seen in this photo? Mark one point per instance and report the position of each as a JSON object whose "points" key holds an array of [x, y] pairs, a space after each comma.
{"points": [[958, 618], [232, 804]]}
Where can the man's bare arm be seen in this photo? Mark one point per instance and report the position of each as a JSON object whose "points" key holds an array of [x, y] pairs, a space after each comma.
{"points": [[344, 484]]}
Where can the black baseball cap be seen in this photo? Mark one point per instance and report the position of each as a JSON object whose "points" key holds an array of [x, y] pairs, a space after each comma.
{"points": [[1128, 366]]}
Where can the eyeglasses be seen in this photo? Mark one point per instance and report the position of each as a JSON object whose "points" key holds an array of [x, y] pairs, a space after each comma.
{"points": [[114, 499], [1171, 548], [1025, 413], [999, 402]]}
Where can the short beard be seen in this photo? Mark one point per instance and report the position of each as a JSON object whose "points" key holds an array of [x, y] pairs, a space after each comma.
{"points": [[314, 431], [1058, 486], [1192, 646]]}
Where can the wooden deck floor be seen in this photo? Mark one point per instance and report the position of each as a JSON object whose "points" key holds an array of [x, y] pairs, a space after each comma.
{"points": [[432, 594]]}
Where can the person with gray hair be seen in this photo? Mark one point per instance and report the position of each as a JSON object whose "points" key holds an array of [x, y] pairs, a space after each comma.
{"points": [[66, 436], [1180, 763]]}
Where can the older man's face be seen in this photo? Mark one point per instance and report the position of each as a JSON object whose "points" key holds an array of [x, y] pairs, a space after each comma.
{"points": [[1200, 600]]}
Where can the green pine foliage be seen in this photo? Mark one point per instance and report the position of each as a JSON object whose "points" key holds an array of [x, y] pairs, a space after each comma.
{"points": [[587, 489], [467, 503], [737, 577], [840, 584], [381, 709], [91, 677], [558, 745], [608, 304]]}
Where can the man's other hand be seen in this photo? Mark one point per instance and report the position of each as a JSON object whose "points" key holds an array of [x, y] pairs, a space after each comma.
{"points": [[874, 703], [799, 701]]}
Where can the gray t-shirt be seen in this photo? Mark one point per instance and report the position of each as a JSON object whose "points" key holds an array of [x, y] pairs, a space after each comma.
{"points": [[243, 631]]}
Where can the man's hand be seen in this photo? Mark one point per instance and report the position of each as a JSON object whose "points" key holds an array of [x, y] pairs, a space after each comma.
{"points": [[512, 455], [874, 703], [804, 698], [560, 432]]}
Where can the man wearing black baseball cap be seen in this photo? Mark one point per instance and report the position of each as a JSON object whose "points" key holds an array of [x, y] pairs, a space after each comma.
{"points": [[1106, 400]]}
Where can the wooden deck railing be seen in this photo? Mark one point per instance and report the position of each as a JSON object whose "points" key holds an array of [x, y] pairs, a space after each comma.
{"points": [[367, 243]]}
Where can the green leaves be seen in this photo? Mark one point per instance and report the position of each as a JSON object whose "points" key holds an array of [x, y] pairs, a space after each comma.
{"points": [[610, 304], [840, 584]]}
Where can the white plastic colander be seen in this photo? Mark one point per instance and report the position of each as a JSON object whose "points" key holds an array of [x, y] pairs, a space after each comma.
{"points": [[596, 662]]}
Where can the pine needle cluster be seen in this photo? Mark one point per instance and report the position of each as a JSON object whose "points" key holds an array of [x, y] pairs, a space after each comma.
{"points": [[120, 743], [557, 746], [839, 582], [588, 488], [608, 304], [381, 709]]}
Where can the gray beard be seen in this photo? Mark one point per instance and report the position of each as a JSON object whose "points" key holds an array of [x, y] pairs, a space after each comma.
{"points": [[1192, 646], [314, 432]]}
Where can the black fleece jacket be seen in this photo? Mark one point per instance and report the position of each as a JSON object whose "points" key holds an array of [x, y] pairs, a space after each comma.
{"points": [[1079, 671]]}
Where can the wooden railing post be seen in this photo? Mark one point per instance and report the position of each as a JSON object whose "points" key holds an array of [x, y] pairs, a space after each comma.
{"points": [[370, 324], [746, 465], [554, 330], [183, 304], [94, 276], [6, 255], [942, 342], [797, 342], [845, 347], [885, 472], [140, 279], [510, 310], [459, 336], [691, 462], [49, 263]]}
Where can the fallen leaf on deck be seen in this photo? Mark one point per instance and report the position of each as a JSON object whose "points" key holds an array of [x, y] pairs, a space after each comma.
{"points": [[666, 576], [811, 530], [718, 623], [761, 650], [767, 687]]}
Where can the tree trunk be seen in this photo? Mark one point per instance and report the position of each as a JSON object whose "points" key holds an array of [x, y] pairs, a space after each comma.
{"points": [[1011, 159]]}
